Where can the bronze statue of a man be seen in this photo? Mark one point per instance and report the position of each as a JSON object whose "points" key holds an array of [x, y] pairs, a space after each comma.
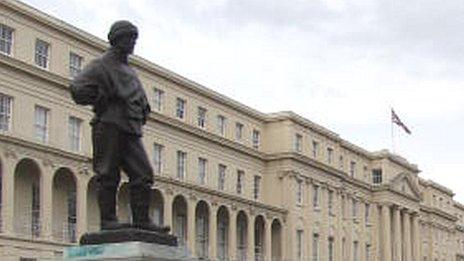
{"points": [[121, 108]]}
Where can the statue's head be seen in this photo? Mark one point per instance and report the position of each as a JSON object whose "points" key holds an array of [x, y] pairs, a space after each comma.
{"points": [[123, 35]]}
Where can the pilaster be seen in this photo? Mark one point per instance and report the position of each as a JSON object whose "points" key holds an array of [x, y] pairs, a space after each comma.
{"points": [[46, 193], [397, 250], [386, 234], [81, 206], [8, 165]]}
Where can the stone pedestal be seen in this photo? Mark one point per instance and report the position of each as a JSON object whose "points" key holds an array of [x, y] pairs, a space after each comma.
{"points": [[131, 251], [128, 244]]}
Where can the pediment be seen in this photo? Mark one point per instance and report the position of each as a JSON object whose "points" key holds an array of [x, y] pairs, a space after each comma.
{"points": [[404, 184]]}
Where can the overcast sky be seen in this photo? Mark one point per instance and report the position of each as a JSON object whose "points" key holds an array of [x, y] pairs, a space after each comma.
{"points": [[341, 64]]}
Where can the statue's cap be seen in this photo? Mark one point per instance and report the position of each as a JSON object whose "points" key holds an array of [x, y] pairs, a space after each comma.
{"points": [[120, 28]]}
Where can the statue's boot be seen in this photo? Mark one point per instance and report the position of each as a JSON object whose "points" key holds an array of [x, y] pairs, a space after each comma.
{"points": [[107, 204], [139, 201]]}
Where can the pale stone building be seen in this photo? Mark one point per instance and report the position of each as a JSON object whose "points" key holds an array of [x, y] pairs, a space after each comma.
{"points": [[234, 183]]}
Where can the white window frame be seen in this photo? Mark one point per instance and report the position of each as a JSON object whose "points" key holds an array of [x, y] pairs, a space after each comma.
{"points": [[181, 164], [240, 183], [75, 68], [201, 117], [41, 128], [377, 176], [8, 42], [222, 176], [298, 142], [315, 145], [202, 169], [74, 133], [352, 169], [238, 131], [39, 55], [158, 99], [255, 139], [180, 108], [316, 196], [299, 246], [158, 158], [221, 125], [256, 187], [315, 247], [330, 152], [6, 112]]}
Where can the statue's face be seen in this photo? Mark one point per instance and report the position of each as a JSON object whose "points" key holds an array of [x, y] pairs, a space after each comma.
{"points": [[126, 42]]}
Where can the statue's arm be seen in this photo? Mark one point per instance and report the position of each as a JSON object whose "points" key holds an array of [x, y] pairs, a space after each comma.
{"points": [[85, 87]]}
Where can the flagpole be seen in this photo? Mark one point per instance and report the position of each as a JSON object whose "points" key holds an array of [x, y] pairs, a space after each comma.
{"points": [[391, 131]]}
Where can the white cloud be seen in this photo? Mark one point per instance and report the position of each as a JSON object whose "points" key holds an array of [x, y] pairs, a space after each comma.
{"points": [[339, 63]]}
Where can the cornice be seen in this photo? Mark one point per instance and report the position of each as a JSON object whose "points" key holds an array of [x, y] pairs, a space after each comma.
{"points": [[206, 190], [35, 71], [38, 240], [318, 165], [433, 184], [438, 212], [201, 133], [101, 45], [44, 148]]}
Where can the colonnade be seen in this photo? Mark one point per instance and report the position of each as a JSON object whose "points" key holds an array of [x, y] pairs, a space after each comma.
{"points": [[400, 238], [62, 198]]}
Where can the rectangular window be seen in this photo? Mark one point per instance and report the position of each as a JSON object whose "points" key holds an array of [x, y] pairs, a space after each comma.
{"points": [[180, 108], [221, 176], [329, 155], [256, 187], [298, 141], [315, 148], [238, 131], [6, 39], [315, 196], [202, 163], [331, 248], [299, 192], [377, 176], [42, 50], [74, 133], [355, 208], [240, 177], [340, 162], [367, 214], [201, 121], [221, 125], [299, 244], [6, 103], [158, 99], [355, 251], [352, 168], [157, 158], [35, 215], [368, 252], [181, 164], [255, 139], [343, 207], [75, 64], [331, 207], [315, 247], [41, 123]]}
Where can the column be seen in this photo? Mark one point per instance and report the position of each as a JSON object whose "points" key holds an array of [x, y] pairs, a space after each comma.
{"points": [[191, 206], [268, 239], [233, 235], [167, 211], [251, 238], [46, 210], [416, 237], [407, 236], [212, 232], [8, 192], [81, 206], [386, 234], [397, 252]]}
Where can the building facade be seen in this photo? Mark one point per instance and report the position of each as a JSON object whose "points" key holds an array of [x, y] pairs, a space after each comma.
{"points": [[232, 182]]}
